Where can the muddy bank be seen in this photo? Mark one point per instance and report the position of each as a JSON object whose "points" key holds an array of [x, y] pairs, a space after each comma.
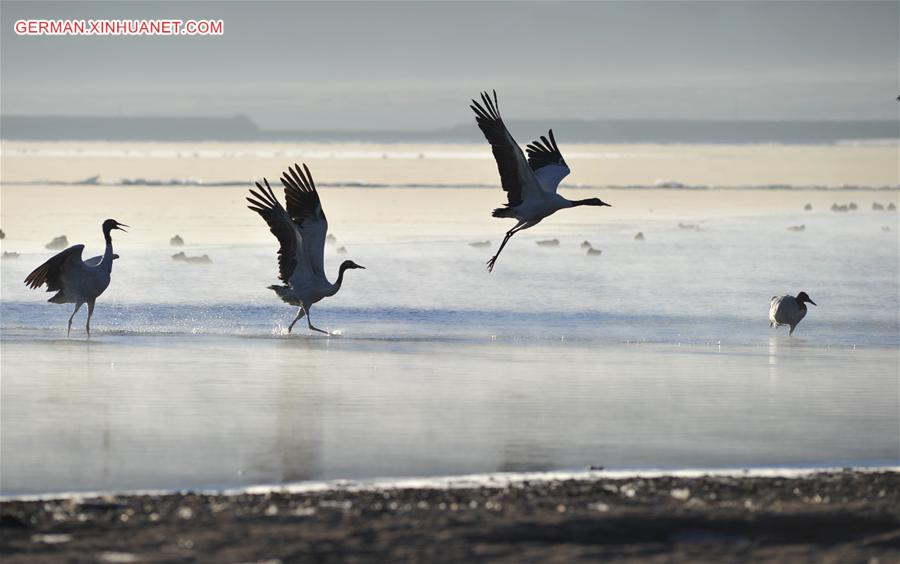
{"points": [[841, 516]]}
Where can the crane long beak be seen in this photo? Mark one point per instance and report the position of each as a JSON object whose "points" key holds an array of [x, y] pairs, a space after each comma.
{"points": [[813, 303], [119, 226]]}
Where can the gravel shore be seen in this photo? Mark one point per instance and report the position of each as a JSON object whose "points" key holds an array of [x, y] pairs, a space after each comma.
{"points": [[847, 516]]}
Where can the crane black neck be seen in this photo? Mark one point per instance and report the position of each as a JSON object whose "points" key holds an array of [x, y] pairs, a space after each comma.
{"points": [[340, 279], [346, 265], [588, 202], [106, 235]]}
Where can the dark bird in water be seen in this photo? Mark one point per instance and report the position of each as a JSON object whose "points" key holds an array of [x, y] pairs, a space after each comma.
{"points": [[530, 184], [301, 232], [74, 280], [57, 243], [199, 259], [788, 310]]}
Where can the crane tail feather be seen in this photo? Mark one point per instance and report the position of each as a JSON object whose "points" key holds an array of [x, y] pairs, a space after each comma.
{"points": [[57, 299], [284, 292]]}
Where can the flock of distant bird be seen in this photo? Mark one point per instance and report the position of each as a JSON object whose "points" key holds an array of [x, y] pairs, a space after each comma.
{"points": [[301, 228]]}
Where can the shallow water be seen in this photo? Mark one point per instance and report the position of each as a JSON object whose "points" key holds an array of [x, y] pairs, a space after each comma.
{"points": [[127, 412], [655, 354], [676, 286]]}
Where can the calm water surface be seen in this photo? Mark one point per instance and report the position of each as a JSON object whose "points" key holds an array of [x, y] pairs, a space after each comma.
{"points": [[127, 412], [655, 354]]}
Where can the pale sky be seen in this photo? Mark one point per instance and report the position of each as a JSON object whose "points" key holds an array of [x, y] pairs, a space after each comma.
{"points": [[379, 65]]}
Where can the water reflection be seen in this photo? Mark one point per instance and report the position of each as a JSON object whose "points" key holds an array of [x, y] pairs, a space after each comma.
{"points": [[130, 412], [298, 429]]}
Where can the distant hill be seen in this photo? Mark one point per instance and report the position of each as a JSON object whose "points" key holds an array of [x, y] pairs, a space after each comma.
{"points": [[48, 128], [242, 128]]}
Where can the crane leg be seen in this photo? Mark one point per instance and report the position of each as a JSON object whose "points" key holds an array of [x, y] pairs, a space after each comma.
{"points": [[90, 313], [77, 307], [300, 314], [510, 233], [309, 322]]}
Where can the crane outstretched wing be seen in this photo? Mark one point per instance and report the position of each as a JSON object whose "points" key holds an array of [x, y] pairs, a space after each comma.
{"points": [[516, 177], [547, 162], [270, 209], [95, 261], [305, 209], [53, 272]]}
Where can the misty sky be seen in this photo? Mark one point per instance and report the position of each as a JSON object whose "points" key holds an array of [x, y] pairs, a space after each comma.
{"points": [[383, 65]]}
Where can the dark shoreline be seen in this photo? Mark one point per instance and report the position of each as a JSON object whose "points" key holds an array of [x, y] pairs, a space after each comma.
{"points": [[829, 516]]}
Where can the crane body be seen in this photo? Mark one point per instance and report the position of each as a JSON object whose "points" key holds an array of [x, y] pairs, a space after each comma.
{"points": [[530, 184], [75, 280], [788, 310], [301, 230]]}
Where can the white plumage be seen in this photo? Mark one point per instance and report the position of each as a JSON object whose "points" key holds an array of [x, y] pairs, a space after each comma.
{"points": [[75, 280], [530, 184], [788, 310], [301, 230]]}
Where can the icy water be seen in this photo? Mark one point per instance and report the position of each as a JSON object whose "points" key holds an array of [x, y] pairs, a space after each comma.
{"points": [[655, 354]]}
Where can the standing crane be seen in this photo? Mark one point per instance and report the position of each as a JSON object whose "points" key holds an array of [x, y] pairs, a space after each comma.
{"points": [[531, 184], [301, 230], [788, 310], [74, 280]]}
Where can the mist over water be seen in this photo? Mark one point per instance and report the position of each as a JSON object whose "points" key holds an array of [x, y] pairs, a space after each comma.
{"points": [[655, 354], [703, 282], [275, 411]]}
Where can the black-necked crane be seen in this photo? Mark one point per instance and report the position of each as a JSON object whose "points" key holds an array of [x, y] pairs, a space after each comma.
{"points": [[75, 280], [301, 230], [531, 184], [788, 310]]}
